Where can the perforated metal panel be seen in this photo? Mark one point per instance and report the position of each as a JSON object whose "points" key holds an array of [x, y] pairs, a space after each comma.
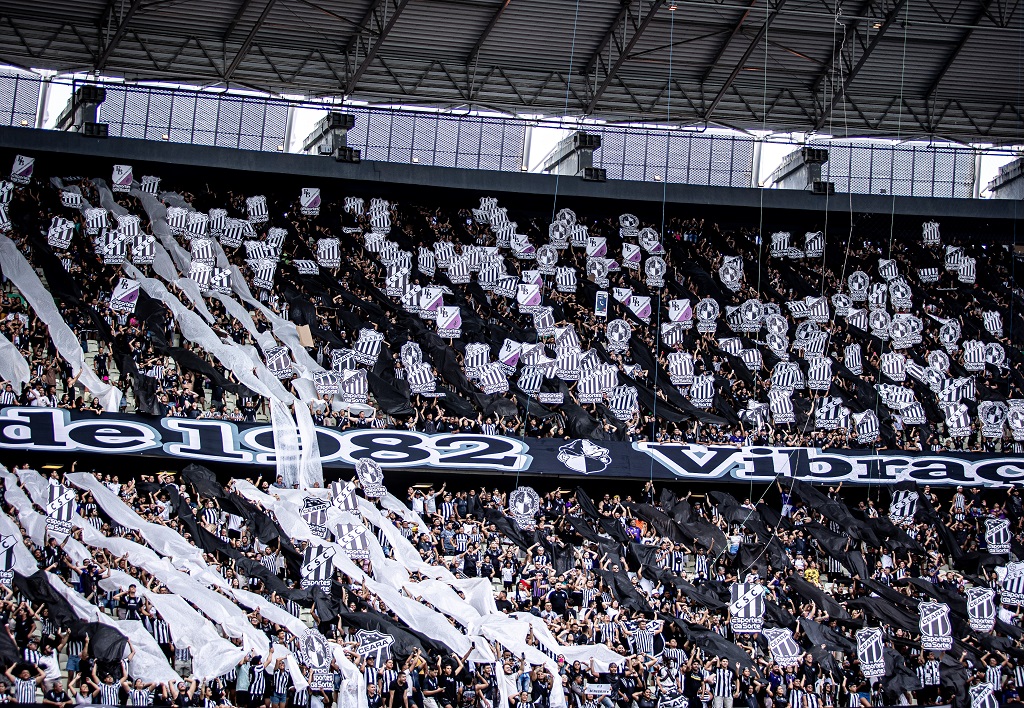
{"points": [[19, 97], [247, 123], [904, 170], [681, 157]]}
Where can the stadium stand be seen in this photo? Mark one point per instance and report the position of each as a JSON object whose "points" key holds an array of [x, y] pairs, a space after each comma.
{"points": [[438, 320]]}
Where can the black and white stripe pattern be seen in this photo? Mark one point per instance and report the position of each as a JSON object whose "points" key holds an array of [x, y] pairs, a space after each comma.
{"points": [[257, 209], [780, 402], [853, 359], [893, 366], [968, 271], [218, 221], [459, 270], [702, 391], [993, 322], [622, 401], [197, 225], [367, 346], [954, 258], [60, 233], [565, 279], [531, 378], [814, 244], [202, 251], [819, 374], [354, 386], [262, 273], [260, 251], [177, 219], [974, 355], [426, 263], [235, 231], [143, 250], [421, 378], [306, 267], [492, 378], [928, 275]]}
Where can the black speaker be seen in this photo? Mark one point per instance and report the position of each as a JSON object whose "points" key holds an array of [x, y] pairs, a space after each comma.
{"points": [[347, 154], [95, 130], [819, 187], [594, 174]]}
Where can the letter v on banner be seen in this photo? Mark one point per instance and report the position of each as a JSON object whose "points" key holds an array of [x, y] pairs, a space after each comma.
{"points": [[698, 461]]}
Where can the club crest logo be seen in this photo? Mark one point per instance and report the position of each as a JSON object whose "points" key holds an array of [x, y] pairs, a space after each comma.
{"points": [[584, 457]]}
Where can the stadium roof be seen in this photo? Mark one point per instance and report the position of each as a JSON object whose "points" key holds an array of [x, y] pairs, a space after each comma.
{"points": [[955, 63]]}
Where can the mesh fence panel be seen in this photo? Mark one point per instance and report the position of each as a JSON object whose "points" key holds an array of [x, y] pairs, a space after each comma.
{"points": [[19, 97], [903, 170]]}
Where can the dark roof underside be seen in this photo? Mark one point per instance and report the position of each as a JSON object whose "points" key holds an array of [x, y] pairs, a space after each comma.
{"points": [[896, 68]]}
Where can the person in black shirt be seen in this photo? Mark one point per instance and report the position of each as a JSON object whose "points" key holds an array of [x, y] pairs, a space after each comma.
{"points": [[397, 693], [431, 688], [57, 696], [373, 698]]}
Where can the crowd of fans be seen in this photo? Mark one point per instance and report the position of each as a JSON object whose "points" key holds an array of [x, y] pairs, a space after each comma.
{"points": [[185, 380], [642, 576]]}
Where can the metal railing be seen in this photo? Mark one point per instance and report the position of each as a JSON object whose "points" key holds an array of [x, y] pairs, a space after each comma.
{"points": [[628, 152]]}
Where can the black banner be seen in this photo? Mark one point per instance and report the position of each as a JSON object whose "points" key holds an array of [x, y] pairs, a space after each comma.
{"points": [[217, 441]]}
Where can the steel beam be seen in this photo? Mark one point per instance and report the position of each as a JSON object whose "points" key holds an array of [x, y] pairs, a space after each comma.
{"points": [[743, 60], [487, 31], [122, 27], [371, 52], [608, 35], [728, 40], [624, 52], [247, 42], [952, 57], [890, 18], [848, 35]]}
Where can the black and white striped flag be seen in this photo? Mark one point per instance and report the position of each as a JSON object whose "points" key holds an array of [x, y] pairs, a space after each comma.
{"points": [[819, 374], [5, 220], [958, 419], [353, 540], [202, 251], [328, 252], [780, 402], [115, 248], [354, 387], [128, 225], [622, 401], [935, 626], [974, 355], [787, 376], [354, 205], [853, 359], [1013, 584], [814, 244], [783, 648], [367, 346], [903, 506], [998, 537], [680, 368], [6, 192], [60, 506], [257, 209], [492, 378], [318, 567], [830, 413], [702, 391], [177, 219], [871, 651], [981, 608], [306, 267], [343, 359], [235, 230], [476, 355], [867, 427], [930, 233], [530, 380], [968, 271], [927, 275], [278, 362], [60, 233], [218, 221], [425, 262], [201, 274], [887, 269], [993, 322], [954, 258], [459, 271], [983, 696], [143, 250], [565, 279], [746, 608], [421, 378], [197, 225], [260, 251], [71, 200], [262, 272]]}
